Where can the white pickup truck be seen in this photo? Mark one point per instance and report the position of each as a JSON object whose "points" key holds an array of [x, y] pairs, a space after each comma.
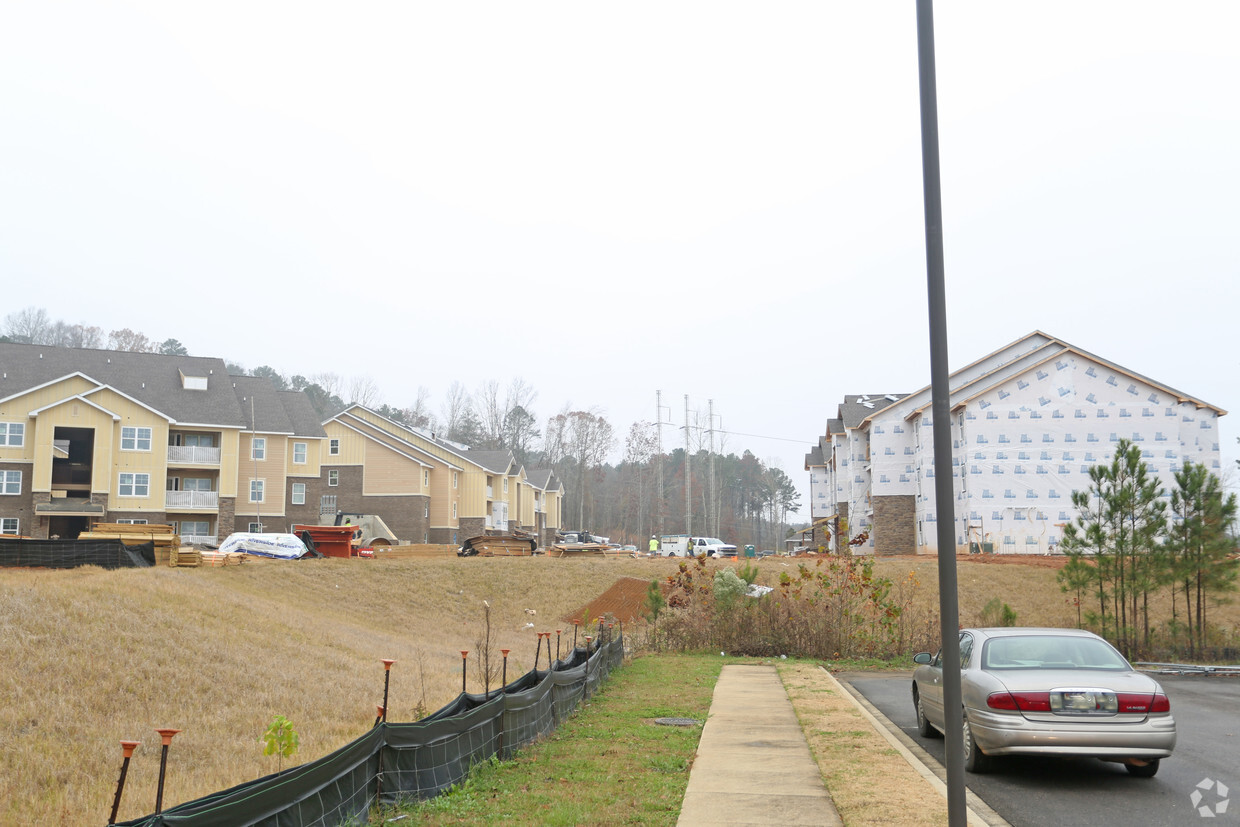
{"points": [[683, 545]]}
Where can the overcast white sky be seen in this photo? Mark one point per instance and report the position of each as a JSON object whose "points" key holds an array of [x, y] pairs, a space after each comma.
{"points": [[711, 198]]}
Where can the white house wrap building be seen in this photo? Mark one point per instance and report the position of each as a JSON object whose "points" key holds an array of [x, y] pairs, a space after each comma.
{"points": [[1028, 421]]}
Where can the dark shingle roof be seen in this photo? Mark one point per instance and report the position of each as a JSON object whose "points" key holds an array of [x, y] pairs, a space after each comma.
{"points": [[856, 407], [257, 396], [301, 414], [151, 378], [500, 462]]}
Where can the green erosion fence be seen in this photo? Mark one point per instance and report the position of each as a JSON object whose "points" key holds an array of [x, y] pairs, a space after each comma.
{"points": [[396, 762]]}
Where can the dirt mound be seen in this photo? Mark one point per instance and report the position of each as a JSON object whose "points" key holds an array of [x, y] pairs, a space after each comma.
{"points": [[1038, 560], [625, 600]]}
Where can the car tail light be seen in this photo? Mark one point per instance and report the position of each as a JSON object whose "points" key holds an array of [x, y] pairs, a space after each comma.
{"points": [[1142, 703], [1020, 701]]}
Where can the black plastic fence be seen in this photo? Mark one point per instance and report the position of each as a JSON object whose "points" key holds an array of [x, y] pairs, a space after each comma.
{"points": [[395, 762], [68, 554]]}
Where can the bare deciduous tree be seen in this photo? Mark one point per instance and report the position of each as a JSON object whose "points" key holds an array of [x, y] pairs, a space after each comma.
{"points": [[130, 340], [363, 391], [30, 326]]}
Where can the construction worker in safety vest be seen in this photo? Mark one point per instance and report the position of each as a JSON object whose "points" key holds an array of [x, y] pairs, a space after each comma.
{"points": [[654, 545]]}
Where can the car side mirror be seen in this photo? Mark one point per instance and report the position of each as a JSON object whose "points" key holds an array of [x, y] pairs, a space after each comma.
{"points": [[923, 657]]}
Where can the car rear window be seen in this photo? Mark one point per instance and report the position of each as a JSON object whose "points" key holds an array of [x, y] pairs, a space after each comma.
{"points": [[1051, 652]]}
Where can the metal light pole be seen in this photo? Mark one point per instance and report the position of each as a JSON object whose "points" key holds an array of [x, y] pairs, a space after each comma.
{"points": [[940, 392]]}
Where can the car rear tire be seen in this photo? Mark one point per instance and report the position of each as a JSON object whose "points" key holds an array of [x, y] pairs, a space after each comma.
{"points": [[924, 728], [975, 760], [1147, 771]]}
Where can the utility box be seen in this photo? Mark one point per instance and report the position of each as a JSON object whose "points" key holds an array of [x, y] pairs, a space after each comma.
{"points": [[330, 540]]}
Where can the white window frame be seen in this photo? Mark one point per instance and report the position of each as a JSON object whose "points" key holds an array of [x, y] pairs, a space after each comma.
{"points": [[195, 524], [258, 448], [132, 521], [333, 478], [298, 495], [139, 485], [333, 447], [137, 438], [505, 485], [10, 482], [261, 490], [426, 509], [300, 448], [454, 511], [10, 525], [11, 439], [255, 528], [426, 478], [455, 475]]}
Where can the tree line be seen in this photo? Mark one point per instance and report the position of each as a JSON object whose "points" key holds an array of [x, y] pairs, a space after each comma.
{"points": [[738, 498], [1132, 544]]}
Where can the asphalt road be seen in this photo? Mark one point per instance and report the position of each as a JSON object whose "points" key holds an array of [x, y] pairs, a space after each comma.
{"points": [[1030, 792]]}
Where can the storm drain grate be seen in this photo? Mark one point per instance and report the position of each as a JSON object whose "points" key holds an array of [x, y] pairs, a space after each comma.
{"points": [[676, 721]]}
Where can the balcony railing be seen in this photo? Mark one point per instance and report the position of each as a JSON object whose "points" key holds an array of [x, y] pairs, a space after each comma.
{"points": [[198, 539], [490, 492], [191, 499], [195, 454]]}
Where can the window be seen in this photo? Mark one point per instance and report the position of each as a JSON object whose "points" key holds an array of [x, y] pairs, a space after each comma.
{"points": [[135, 439], [333, 477], [299, 493], [299, 453], [258, 448], [426, 478], [333, 447], [505, 485], [135, 485], [256, 491], [131, 522], [426, 510], [9, 525], [12, 434], [454, 477], [196, 484], [196, 528], [10, 482], [454, 511], [255, 528]]}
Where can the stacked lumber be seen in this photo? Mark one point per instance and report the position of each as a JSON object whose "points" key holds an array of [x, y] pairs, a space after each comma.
{"points": [[221, 558], [133, 535], [580, 550], [414, 551], [185, 556]]}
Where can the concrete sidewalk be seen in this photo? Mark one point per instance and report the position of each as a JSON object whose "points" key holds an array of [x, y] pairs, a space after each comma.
{"points": [[753, 765]]}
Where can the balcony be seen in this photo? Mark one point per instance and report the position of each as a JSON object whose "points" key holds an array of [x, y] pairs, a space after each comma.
{"points": [[193, 455], [199, 539], [182, 500]]}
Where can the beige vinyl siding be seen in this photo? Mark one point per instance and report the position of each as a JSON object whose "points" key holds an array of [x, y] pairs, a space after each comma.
{"points": [[442, 498], [389, 473], [315, 450], [473, 494], [230, 450], [270, 470], [352, 446], [73, 414]]}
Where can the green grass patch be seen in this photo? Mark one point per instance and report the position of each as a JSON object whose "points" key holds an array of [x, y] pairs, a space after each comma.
{"points": [[607, 764]]}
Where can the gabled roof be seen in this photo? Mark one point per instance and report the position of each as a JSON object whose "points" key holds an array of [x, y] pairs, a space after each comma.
{"points": [[545, 479], [301, 414], [80, 398], [857, 408], [396, 431], [814, 458], [1024, 360], [261, 407], [153, 379], [499, 462]]}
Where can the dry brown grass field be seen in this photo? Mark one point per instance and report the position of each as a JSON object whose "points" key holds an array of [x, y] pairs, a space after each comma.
{"points": [[92, 657]]}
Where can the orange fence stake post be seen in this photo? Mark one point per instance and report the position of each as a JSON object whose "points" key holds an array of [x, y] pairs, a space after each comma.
{"points": [[126, 753], [165, 737]]}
